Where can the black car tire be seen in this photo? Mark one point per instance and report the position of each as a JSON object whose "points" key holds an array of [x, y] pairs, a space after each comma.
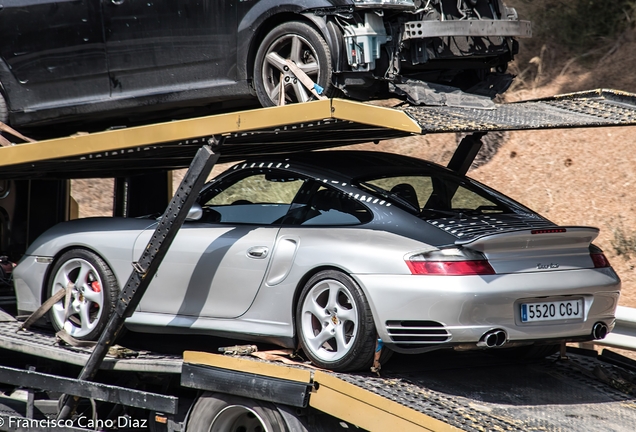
{"points": [[67, 267], [314, 49], [349, 318], [4, 111], [218, 412]]}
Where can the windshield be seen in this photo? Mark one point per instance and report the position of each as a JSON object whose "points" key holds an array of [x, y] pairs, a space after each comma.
{"points": [[432, 195]]}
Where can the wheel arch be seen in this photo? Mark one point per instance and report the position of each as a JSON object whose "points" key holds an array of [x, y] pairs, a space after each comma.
{"points": [[301, 284], [14, 94], [318, 23], [56, 258]]}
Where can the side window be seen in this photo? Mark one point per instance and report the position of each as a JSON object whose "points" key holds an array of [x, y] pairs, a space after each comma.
{"points": [[415, 190], [466, 199], [262, 198], [327, 206]]}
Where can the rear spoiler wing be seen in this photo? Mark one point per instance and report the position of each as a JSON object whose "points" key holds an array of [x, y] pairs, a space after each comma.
{"points": [[558, 237]]}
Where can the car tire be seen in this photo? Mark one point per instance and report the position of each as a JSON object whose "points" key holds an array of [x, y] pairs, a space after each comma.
{"points": [[218, 412], [312, 56], [4, 110], [334, 323], [92, 299]]}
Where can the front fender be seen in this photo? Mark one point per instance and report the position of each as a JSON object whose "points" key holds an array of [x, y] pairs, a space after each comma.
{"points": [[252, 23]]}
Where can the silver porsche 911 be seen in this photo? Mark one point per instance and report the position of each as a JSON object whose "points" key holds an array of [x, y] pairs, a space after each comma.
{"points": [[331, 251]]}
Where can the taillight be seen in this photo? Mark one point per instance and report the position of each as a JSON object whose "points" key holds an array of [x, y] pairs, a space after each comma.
{"points": [[600, 260], [598, 257], [449, 262]]}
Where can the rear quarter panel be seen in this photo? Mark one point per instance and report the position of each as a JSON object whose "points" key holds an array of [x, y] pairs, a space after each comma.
{"points": [[352, 250]]}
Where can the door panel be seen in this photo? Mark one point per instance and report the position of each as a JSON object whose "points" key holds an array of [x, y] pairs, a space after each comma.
{"points": [[210, 270], [55, 48], [168, 45]]}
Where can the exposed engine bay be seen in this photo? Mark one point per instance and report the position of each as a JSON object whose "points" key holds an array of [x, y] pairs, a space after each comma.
{"points": [[465, 44]]}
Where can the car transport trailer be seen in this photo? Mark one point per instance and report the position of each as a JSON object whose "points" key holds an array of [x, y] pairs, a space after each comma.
{"points": [[269, 396]]}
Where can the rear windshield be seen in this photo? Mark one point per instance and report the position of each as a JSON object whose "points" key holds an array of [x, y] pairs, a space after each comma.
{"points": [[432, 195]]}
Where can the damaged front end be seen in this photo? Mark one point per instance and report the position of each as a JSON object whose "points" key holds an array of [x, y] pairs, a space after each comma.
{"points": [[466, 44]]}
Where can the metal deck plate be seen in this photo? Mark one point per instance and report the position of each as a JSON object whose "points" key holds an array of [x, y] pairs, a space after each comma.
{"points": [[597, 108], [495, 395], [43, 344]]}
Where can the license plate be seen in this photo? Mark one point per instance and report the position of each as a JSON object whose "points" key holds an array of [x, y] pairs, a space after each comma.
{"points": [[547, 311]]}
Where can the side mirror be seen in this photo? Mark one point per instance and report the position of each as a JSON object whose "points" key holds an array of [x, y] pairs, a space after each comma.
{"points": [[195, 213]]}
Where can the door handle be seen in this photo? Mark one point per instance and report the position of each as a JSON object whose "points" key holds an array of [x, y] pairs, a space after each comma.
{"points": [[257, 252], [117, 2]]}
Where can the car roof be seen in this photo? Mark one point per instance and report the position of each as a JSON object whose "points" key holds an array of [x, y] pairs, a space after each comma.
{"points": [[355, 164]]}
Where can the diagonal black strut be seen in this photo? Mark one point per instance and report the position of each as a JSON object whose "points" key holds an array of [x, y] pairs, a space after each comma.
{"points": [[466, 152], [145, 269]]}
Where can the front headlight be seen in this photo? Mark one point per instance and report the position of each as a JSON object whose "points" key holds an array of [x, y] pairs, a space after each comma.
{"points": [[393, 4]]}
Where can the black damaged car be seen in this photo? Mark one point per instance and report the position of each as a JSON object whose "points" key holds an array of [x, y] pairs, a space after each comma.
{"points": [[63, 61]]}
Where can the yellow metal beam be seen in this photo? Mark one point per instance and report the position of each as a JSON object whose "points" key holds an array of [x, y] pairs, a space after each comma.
{"points": [[369, 410], [248, 366], [374, 115], [333, 395], [181, 130]]}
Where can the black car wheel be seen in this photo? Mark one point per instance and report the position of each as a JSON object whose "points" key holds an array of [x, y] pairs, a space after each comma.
{"points": [[217, 412], [93, 293], [334, 323], [300, 43]]}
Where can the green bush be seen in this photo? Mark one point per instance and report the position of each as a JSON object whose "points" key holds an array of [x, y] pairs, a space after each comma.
{"points": [[577, 25], [623, 243]]}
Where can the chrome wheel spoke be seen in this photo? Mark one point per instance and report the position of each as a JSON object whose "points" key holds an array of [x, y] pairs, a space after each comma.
{"points": [[82, 276], [85, 316], [275, 60], [347, 315], [316, 310], [310, 69], [341, 339], [275, 95], [317, 341], [60, 282], [92, 296], [332, 303], [296, 50]]}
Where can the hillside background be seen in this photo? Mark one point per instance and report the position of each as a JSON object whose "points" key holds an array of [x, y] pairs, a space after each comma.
{"points": [[573, 177]]}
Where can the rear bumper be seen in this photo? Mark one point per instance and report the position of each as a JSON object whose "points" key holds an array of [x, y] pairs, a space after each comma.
{"points": [[446, 311]]}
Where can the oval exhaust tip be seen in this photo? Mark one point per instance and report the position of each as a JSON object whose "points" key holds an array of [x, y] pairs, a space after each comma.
{"points": [[492, 338], [600, 330], [501, 338]]}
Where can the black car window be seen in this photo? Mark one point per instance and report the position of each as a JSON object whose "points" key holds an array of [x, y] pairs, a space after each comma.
{"points": [[260, 198], [436, 195], [325, 206]]}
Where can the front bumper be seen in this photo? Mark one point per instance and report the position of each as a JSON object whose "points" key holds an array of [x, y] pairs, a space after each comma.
{"points": [[27, 280], [469, 28], [446, 311]]}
